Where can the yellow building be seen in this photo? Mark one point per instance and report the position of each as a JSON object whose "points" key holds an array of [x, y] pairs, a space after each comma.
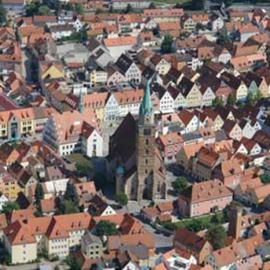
{"points": [[9, 186], [53, 236]]}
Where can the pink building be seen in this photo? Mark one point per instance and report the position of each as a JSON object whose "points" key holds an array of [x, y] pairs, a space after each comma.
{"points": [[204, 198], [169, 145]]}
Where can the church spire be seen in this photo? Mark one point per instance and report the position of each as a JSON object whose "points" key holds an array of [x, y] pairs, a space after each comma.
{"points": [[146, 115], [146, 107]]}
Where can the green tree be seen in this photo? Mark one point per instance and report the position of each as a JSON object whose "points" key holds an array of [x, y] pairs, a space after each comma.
{"points": [[31, 9], [250, 99], [79, 9], [179, 184], [223, 38], [67, 207], [106, 228], [166, 45], [121, 199], [71, 194], [152, 6], [100, 180], [73, 263], [44, 11], [84, 168], [3, 14], [217, 102], [197, 4], [216, 236], [265, 178], [9, 207], [231, 99], [39, 193], [98, 11], [129, 9]]}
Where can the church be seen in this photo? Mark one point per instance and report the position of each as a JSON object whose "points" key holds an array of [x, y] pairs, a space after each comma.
{"points": [[134, 158]]}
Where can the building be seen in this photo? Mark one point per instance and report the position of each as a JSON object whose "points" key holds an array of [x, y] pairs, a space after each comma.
{"points": [[140, 169], [192, 243], [54, 236], [72, 132], [204, 198]]}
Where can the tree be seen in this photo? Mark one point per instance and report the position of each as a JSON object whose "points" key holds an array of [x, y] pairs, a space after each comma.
{"points": [[179, 184], [39, 193], [98, 11], [73, 263], [84, 168], [106, 228], [223, 38], [231, 99], [166, 45], [152, 6], [265, 178], [31, 9], [79, 8], [121, 199], [129, 9], [67, 207], [3, 14], [100, 180], [216, 236], [9, 207], [44, 11], [71, 194], [197, 4], [217, 102]]}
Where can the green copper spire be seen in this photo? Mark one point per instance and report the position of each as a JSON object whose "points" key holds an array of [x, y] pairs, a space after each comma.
{"points": [[146, 105]]}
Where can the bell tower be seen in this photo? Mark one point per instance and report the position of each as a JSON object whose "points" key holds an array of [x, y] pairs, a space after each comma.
{"points": [[145, 152]]}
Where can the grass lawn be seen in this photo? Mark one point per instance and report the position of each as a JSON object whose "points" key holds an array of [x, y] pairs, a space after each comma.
{"points": [[77, 158], [197, 224]]}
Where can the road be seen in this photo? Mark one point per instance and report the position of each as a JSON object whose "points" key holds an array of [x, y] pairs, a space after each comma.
{"points": [[162, 242]]}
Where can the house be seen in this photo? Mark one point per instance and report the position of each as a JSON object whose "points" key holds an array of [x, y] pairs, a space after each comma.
{"points": [[129, 69], [61, 31], [54, 236], [233, 130], [204, 198], [256, 195], [208, 96], [246, 31], [189, 121], [159, 64], [119, 45], [119, 104], [192, 243], [171, 28], [9, 186], [72, 132], [166, 101], [229, 172], [164, 14], [241, 190], [176, 257], [92, 246], [217, 22], [169, 145], [97, 74]]}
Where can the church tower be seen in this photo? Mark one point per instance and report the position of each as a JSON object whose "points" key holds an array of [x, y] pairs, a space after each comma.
{"points": [[146, 148]]}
